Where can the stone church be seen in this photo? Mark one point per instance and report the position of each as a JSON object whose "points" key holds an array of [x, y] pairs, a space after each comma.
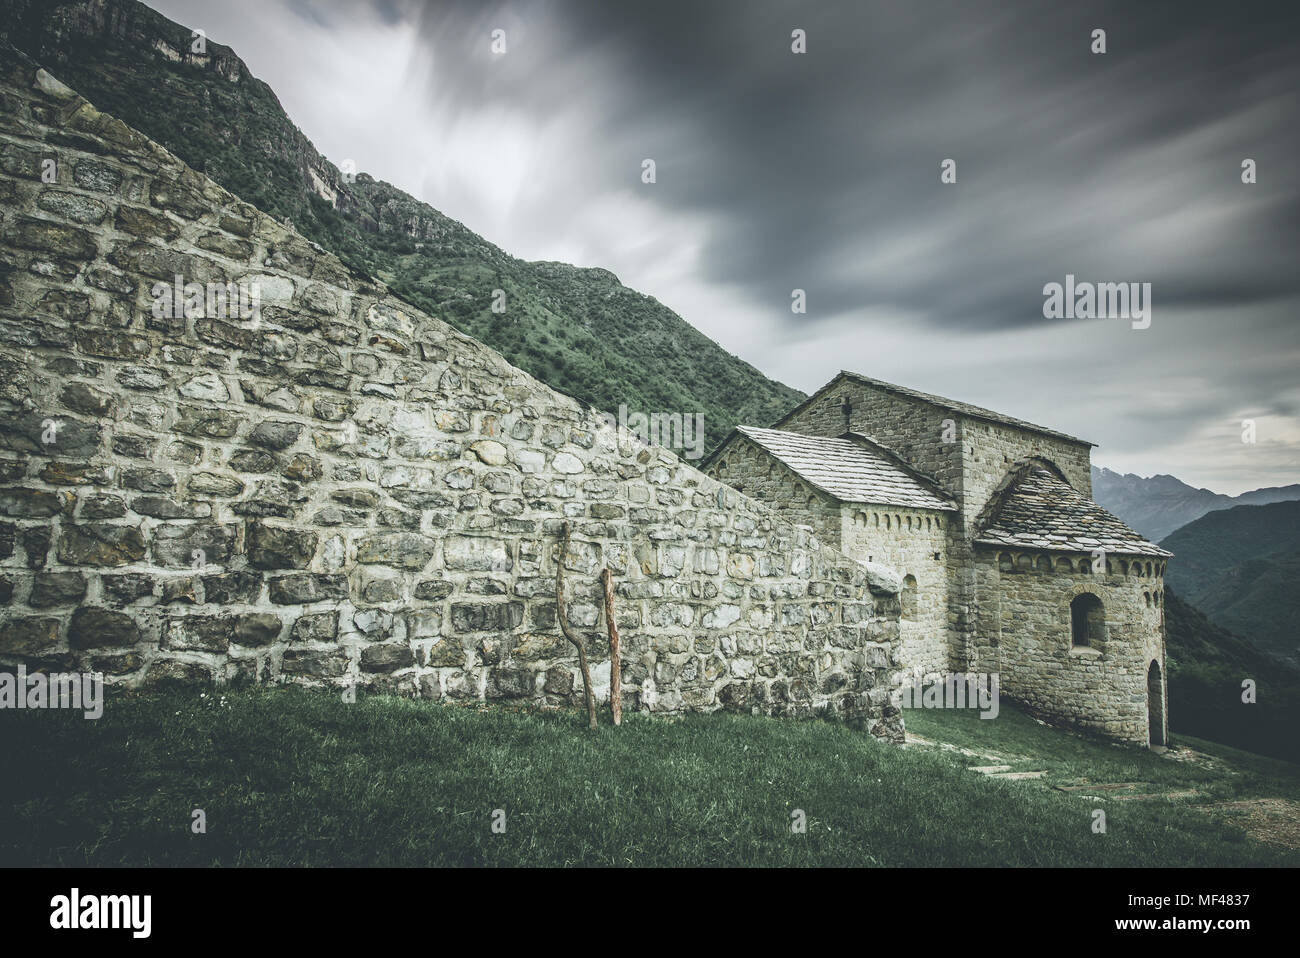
{"points": [[1008, 567]]}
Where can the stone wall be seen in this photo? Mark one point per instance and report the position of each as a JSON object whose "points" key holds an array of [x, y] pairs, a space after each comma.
{"points": [[1023, 634], [342, 490]]}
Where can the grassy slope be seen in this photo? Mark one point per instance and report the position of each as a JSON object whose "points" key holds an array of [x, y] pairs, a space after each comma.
{"points": [[291, 777]]}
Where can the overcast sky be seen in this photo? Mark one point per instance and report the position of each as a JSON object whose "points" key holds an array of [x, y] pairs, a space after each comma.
{"points": [[821, 171]]}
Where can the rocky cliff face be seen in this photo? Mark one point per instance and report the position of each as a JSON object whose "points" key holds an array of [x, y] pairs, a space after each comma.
{"points": [[225, 456]]}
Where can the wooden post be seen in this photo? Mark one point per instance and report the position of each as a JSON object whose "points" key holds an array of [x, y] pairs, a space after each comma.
{"points": [[562, 616], [615, 669]]}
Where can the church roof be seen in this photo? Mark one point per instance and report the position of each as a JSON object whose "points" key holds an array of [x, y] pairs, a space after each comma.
{"points": [[851, 468], [964, 408], [1038, 509]]}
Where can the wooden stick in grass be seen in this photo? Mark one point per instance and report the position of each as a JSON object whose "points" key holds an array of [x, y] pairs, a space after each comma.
{"points": [[615, 678], [563, 618]]}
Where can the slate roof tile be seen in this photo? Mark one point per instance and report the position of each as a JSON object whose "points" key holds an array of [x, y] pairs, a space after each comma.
{"points": [[850, 468], [1040, 509]]}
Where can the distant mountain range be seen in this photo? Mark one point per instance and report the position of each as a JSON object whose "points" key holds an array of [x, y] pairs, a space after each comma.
{"points": [[578, 330], [1157, 506]]}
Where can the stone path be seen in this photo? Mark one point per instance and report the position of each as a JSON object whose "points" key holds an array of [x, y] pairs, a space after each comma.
{"points": [[996, 770]]}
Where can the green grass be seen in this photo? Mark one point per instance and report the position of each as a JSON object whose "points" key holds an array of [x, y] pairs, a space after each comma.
{"points": [[292, 777]]}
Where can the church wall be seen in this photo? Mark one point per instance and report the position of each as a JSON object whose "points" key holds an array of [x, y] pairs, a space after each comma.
{"points": [[990, 450], [913, 542], [911, 428], [1024, 634]]}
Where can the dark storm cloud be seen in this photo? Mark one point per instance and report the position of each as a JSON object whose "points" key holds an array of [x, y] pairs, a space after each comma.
{"points": [[822, 169]]}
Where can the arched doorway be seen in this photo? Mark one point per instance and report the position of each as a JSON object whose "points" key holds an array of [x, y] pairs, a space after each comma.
{"points": [[1155, 706]]}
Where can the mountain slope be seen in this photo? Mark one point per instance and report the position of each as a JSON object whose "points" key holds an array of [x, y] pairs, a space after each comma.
{"points": [[1158, 505], [578, 330], [1207, 665], [1241, 567]]}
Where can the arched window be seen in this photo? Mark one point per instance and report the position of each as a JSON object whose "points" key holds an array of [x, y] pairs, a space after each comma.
{"points": [[908, 597], [1087, 620]]}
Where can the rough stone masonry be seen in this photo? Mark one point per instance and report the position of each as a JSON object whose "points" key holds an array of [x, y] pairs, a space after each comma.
{"points": [[342, 490]]}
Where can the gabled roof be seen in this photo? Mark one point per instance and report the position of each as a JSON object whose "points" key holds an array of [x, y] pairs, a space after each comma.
{"points": [[965, 409], [852, 468], [1036, 508]]}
